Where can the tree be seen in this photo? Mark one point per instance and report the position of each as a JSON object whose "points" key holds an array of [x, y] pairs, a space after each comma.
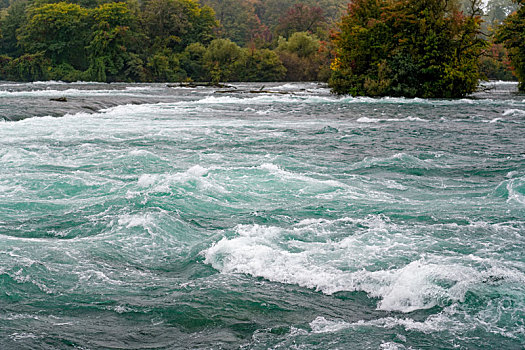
{"points": [[301, 18], [165, 66], [192, 62], [174, 24], [301, 43], [59, 30], [512, 35], [425, 48], [222, 57], [271, 11], [12, 20], [261, 65], [112, 41], [302, 57], [237, 20], [495, 63], [29, 67]]}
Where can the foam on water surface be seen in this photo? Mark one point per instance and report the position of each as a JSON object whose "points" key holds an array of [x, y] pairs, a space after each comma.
{"points": [[260, 220], [407, 119], [309, 255]]}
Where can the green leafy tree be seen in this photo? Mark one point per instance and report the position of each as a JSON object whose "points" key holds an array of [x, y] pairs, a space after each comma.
{"points": [[425, 48], [29, 67], [165, 66], [261, 65], [302, 56], [301, 43], [112, 41], [59, 30], [512, 35], [175, 24], [12, 20], [361, 45], [192, 62], [222, 60], [4, 66]]}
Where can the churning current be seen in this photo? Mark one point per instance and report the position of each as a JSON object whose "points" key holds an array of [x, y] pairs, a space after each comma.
{"points": [[257, 217]]}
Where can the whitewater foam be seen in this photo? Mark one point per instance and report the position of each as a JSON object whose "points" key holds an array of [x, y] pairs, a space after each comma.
{"points": [[515, 187], [195, 176], [442, 321], [513, 111], [378, 120], [498, 82], [69, 93], [288, 175], [137, 220], [420, 284]]}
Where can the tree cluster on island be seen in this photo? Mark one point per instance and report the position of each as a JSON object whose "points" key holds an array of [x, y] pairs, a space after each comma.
{"points": [[428, 48]]}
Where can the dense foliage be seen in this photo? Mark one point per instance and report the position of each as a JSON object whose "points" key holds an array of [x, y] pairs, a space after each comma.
{"points": [[425, 48], [155, 40], [512, 35], [495, 63]]}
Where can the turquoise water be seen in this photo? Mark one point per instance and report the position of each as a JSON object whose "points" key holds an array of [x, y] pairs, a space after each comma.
{"points": [[147, 216]]}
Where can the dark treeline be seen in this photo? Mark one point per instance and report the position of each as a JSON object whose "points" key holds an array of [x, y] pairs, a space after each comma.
{"points": [[166, 40], [428, 48]]}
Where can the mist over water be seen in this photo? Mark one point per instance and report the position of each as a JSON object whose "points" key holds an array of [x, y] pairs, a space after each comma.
{"points": [[149, 216]]}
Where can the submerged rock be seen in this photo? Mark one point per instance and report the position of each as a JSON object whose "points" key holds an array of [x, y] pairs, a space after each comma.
{"points": [[58, 99]]}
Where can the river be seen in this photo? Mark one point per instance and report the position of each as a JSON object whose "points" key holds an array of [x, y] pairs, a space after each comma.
{"points": [[257, 217]]}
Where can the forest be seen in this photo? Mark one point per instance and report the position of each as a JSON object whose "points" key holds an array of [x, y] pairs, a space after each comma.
{"points": [[423, 48]]}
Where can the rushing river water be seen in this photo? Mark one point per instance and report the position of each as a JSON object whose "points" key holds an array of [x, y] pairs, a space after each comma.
{"points": [[149, 216]]}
